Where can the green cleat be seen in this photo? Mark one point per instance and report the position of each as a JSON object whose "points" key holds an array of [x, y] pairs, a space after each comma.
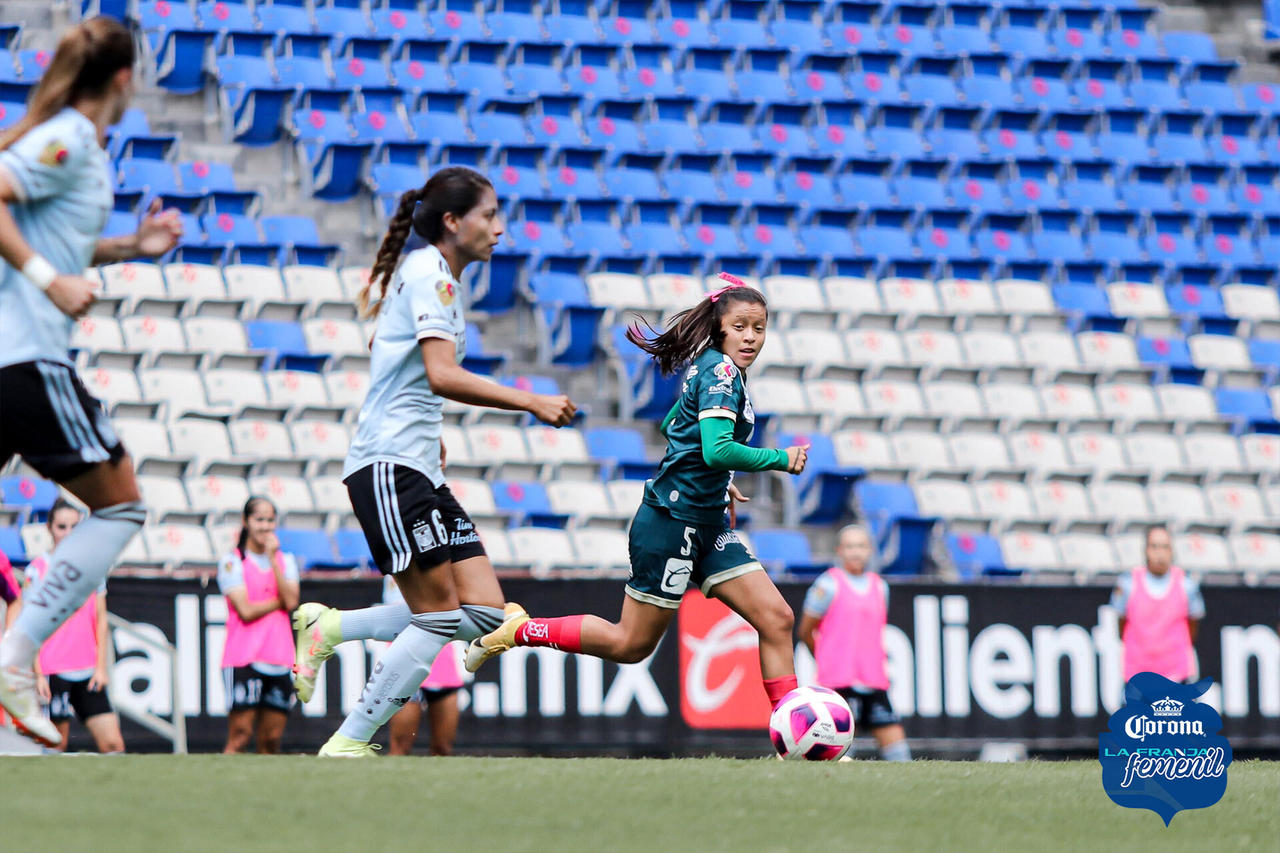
{"points": [[341, 746], [317, 629]]}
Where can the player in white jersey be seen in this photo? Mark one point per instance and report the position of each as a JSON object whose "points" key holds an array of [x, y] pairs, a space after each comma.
{"points": [[55, 196], [417, 531]]}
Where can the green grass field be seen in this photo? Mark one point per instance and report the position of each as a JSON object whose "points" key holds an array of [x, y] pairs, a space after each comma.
{"points": [[296, 803]]}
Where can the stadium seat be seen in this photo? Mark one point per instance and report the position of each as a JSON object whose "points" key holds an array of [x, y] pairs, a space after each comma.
{"points": [[602, 548], [221, 496], [178, 545], [1029, 551], [543, 549], [1088, 552], [899, 531], [975, 554], [311, 548], [785, 551]]}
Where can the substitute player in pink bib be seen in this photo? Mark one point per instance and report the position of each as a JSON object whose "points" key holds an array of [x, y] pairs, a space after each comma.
{"points": [[845, 613], [438, 695], [72, 663], [261, 585], [1160, 610]]}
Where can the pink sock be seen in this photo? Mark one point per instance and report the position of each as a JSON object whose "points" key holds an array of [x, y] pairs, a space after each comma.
{"points": [[776, 688], [563, 633]]}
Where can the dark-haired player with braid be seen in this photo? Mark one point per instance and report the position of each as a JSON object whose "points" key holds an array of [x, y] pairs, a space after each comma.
{"points": [[680, 534], [417, 531]]}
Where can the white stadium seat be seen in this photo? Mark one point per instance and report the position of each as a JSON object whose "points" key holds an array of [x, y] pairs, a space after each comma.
{"points": [[1066, 402], [909, 296], [1037, 450], [581, 500], [180, 390], [313, 285], [1180, 402], [1153, 453], [133, 281], [112, 385], [954, 400], [816, 350], [1003, 500], [178, 544], [891, 398], [862, 449], [142, 437], [991, 350], [932, 349], [296, 389], [496, 444], [1119, 502], [964, 297], [605, 549], [1107, 351], [795, 294], [1202, 552], [216, 335], [543, 548], [775, 357], [1050, 351], [474, 494], [334, 337], [1131, 550], [1031, 551], [151, 334], [564, 449], [870, 347], [289, 494], [95, 334], [674, 292], [1219, 352], [1012, 401], [257, 439], [1025, 298], [619, 291], [853, 297], [1061, 501], [1178, 502], [922, 451], [218, 494], [1236, 503], [946, 499], [233, 388], [1261, 452], [496, 545], [256, 285], [1213, 452], [1090, 552], [980, 452], [195, 283], [353, 280], [331, 495], [320, 440], [1137, 300], [836, 399], [1258, 552], [1127, 401], [163, 495], [625, 496], [778, 396], [205, 441], [1250, 302], [1099, 452], [347, 388]]}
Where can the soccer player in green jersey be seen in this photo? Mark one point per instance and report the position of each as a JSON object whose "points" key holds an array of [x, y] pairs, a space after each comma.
{"points": [[680, 533]]}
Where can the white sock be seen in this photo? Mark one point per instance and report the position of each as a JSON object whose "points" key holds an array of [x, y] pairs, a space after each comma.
{"points": [[477, 620], [896, 751], [75, 570], [386, 621], [379, 622], [400, 672]]}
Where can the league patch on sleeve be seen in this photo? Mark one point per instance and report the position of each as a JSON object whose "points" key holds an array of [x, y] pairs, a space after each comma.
{"points": [[55, 153], [446, 292], [724, 373]]}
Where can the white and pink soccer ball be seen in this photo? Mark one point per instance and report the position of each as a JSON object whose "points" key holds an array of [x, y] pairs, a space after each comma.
{"points": [[812, 724]]}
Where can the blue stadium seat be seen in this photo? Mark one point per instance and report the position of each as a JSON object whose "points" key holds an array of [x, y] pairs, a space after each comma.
{"points": [[786, 551], [855, 28], [299, 235], [683, 26], [535, 69], [256, 100], [1204, 189], [895, 130], [1149, 188], [899, 532], [478, 359], [1034, 184], [284, 344], [1190, 46], [711, 230], [989, 81], [32, 492], [1045, 83], [1003, 237], [864, 182], [1022, 31], [919, 183], [312, 548], [942, 234], [1179, 138], [1257, 190], [648, 395], [1012, 133], [1203, 303], [1058, 237], [1227, 240], [824, 488], [1172, 354], [797, 24], [976, 185], [808, 181], [1088, 185], [964, 29], [616, 131], [648, 74], [352, 548], [592, 69], [400, 24], [479, 69], [284, 18], [203, 176], [1248, 409], [828, 236], [571, 321], [528, 504], [975, 555], [456, 25], [874, 79], [761, 75], [555, 122], [1260, 97], [1122, 135], [953, 133], [741, 23], [748, 178], [623, 452], [11, 545], [1082, 303], [1170, 239], [838, 130], [1078, 33], [1234, 137], [692, 178], [1099, 84], [1155, 84], [1130, 34], [652, 227]]}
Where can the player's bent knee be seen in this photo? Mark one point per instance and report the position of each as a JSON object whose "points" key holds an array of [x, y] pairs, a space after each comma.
{"points": [[775, 620]]}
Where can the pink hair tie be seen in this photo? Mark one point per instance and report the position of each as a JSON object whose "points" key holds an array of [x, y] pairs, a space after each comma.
{"points": [[734, 281]]}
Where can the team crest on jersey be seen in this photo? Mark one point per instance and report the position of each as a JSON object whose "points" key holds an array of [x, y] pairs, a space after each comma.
{"points": [[724, 372], [423, 535], [54, 154], [447, 292]]}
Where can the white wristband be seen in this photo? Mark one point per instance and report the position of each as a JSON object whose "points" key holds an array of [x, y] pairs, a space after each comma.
{"points": [[39, 272]]}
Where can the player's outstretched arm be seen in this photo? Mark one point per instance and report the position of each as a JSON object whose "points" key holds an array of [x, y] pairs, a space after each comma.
{"points": [[450, 379], [721, 452], [72, 294], [159, 231]]}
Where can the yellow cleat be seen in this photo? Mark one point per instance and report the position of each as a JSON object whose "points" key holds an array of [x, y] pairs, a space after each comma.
{"points": [[341, 746], [18, 697], [499, 639], [316, 630]]}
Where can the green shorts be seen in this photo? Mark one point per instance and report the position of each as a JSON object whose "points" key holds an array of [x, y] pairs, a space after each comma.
{"points": [[667, 553]]}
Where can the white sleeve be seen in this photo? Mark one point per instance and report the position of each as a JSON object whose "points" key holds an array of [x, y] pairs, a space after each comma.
{"points": [[431, 294], [48, 160], [230, 573], [290, 564]]}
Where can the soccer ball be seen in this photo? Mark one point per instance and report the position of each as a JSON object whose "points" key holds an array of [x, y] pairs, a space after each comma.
{"points": [[813, 724]]}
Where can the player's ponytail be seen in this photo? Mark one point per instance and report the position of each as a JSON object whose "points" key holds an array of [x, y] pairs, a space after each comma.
{"points": [[693, 330], [249, 507], [86, 60], [453, 190]]}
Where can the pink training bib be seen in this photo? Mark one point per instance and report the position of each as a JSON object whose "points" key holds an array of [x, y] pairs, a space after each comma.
{"points": [[74, 646], [1157, 637], [849, 641], [266, 640]]}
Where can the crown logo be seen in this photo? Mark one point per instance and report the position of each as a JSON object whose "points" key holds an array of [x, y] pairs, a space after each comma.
{"points": [[1166, 707]]}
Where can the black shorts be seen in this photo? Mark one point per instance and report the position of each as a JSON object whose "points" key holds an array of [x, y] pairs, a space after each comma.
{"points": [[74, 698], [248, 689], [406, 519], [425, 697], [871, 708], [51, 420]]}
